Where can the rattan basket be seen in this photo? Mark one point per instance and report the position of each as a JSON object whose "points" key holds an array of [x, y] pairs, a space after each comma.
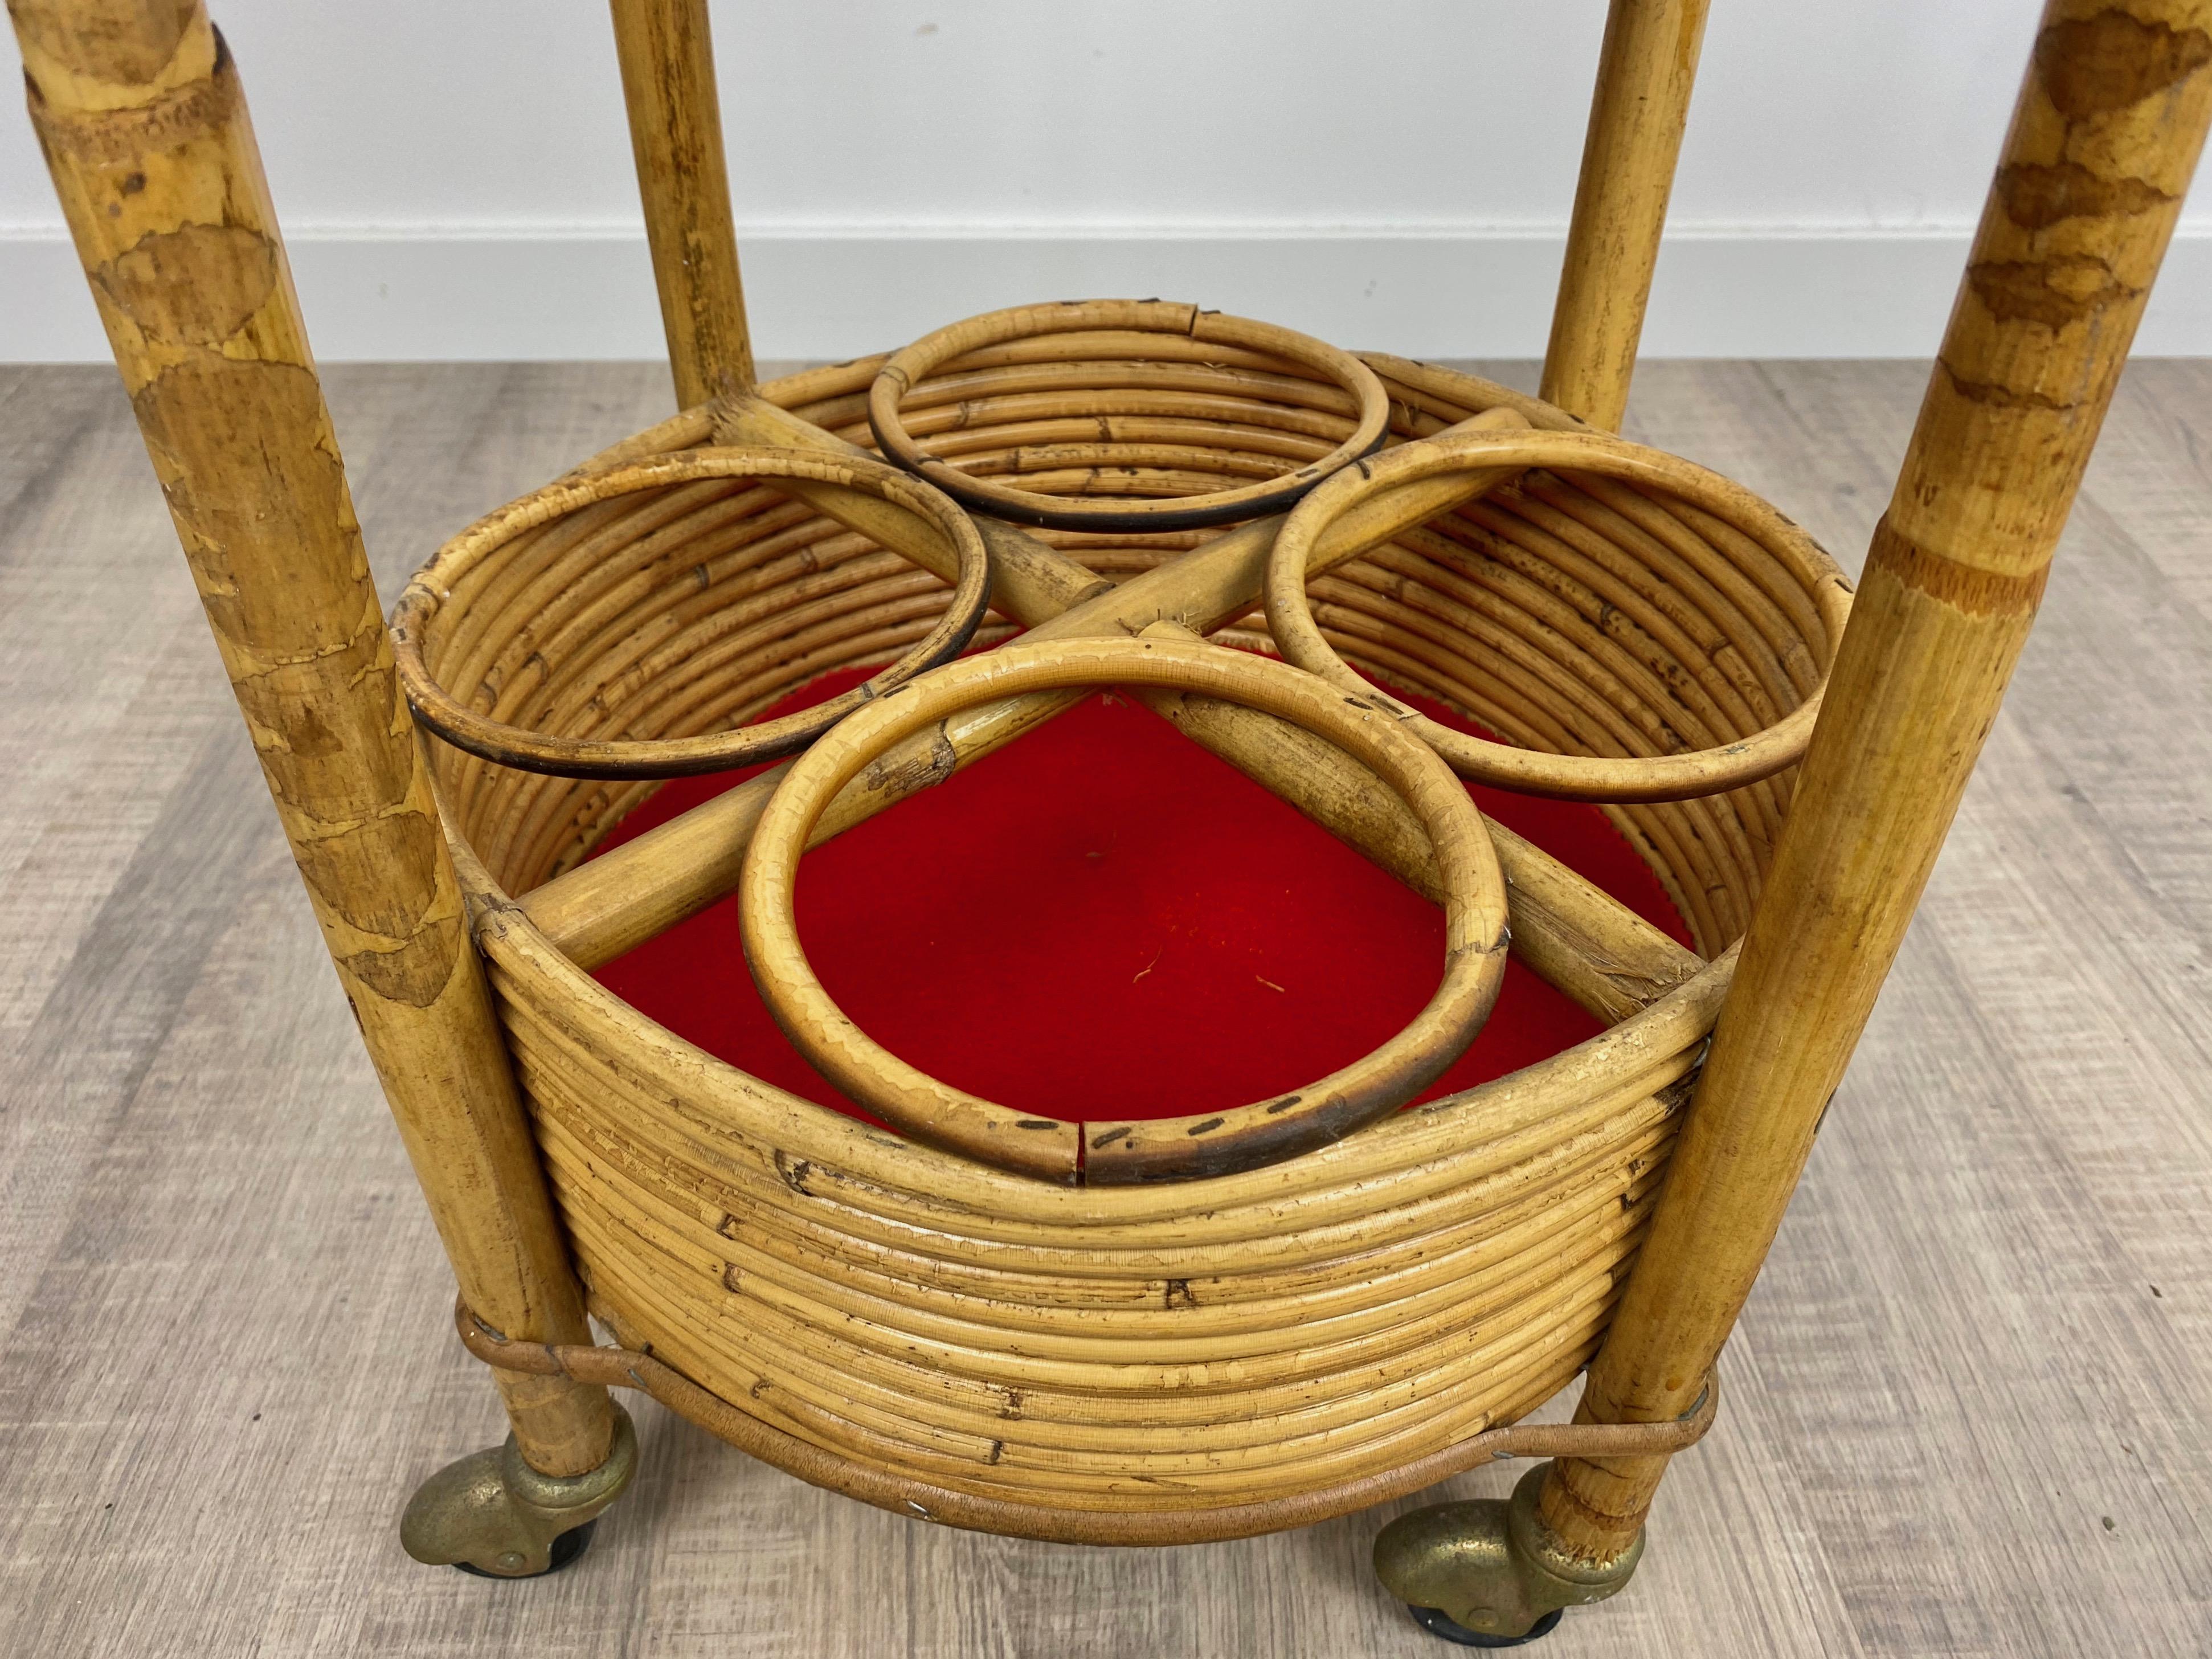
{"points": [[1306, 1330]]}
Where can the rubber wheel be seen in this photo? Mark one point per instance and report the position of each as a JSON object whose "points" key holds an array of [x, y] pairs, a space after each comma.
{"points": [[1436, 1622], [566, 1548]]}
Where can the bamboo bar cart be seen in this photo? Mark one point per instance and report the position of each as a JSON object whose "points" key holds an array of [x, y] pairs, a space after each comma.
{"points": [[1150, 1331]]}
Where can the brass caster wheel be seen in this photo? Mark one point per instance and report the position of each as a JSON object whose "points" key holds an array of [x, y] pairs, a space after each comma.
{"points": [[1490, 1573], [1438, 1622], [569, 1546], [492, 1515]]}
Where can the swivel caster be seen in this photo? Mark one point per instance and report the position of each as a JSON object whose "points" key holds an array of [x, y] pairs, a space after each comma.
{"points": [[1489, 1573], [492, 1515]]}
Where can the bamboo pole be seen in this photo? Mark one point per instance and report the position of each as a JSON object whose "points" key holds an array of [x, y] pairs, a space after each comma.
{"points": [[137, 108], [2104, 139], [1646, 69], [667, 58]]}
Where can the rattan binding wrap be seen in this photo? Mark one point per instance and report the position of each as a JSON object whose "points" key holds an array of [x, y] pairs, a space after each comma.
{"points": [[1179, 1350]]}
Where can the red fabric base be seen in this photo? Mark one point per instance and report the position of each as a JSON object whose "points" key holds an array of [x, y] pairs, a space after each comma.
{"points": [[1102, 921]]}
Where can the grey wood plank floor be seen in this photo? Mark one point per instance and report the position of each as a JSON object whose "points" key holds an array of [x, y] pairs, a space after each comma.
{"points": [[1970, 1406]]}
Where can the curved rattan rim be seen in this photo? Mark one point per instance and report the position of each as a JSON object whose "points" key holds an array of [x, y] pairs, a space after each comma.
{"points": [[908, 368], [1243, 1137], [676, 757], [1603, 778]]}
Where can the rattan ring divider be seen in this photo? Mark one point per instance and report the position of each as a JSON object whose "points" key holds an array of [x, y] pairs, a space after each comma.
{"points": [[1128, 452], [1568, 615], [1651, 472], [1212, 1142], [662, 648]]}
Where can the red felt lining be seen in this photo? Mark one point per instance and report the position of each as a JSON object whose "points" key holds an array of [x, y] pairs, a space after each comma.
{"points": [[1102, 921]]}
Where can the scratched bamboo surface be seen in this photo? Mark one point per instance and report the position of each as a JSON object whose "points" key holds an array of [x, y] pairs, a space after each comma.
{"points": [[226, 1360]]}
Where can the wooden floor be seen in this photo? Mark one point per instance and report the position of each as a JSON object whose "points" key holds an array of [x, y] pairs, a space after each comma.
{"points": [[1969, 1410]]}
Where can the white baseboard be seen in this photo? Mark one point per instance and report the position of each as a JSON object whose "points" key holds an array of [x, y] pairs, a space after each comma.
{"points": [[588, 293]]}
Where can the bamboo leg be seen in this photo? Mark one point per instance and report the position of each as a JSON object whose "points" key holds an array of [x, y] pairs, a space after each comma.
{"points": [[2103, 140], [137, 108], [676, 135], [1646, 72]]}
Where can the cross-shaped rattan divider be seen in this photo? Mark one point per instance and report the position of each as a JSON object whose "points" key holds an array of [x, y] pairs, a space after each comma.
{"points": [[1574, 935]]}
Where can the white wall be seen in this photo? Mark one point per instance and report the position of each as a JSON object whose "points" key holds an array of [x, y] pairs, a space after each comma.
{"points": [[454, 175]]}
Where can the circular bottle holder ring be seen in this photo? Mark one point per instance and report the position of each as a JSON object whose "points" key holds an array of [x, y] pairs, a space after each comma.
{"points": [[1667, 479], [1474, 921], [1158, 472], [657, 543]]}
